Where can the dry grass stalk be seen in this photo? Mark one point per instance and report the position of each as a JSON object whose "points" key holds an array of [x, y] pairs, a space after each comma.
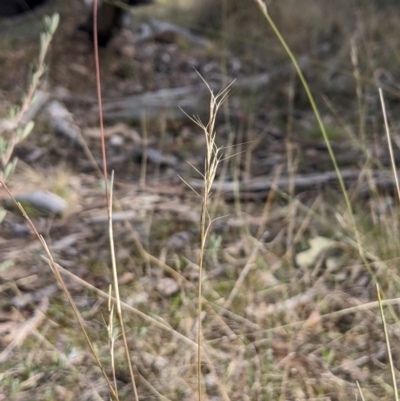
{"points": [[387, 342], [212, 159], [116, 289], [389, 141], [60, 280]]}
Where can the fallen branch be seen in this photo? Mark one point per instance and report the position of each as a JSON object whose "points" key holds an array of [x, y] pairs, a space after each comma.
{"points": [[166, 102], [260, 186]]}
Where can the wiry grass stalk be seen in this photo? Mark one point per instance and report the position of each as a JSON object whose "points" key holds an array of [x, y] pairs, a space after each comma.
{"points": [[392, 160], [321, 125], [60, 280], [359, 89], [99, 99], [143, 168], [116, 289], [111, 335], [212, 159], [360, 391], [109, 199], [387, 342], [16, 136], [152, 320], [311, 99], [358, 243], [211, 163]]}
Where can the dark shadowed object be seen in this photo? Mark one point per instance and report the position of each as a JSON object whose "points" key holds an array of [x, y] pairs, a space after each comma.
{"points": [[109, 20], [10, 8]]}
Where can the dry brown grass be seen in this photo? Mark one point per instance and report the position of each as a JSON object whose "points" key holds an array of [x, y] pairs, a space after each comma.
{"points": [[273, 327]]}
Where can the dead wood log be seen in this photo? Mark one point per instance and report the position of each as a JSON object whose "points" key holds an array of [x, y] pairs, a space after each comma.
{"points": [[166, 32], [260, 186], [63, 122], [193, 99], [166, 102]]}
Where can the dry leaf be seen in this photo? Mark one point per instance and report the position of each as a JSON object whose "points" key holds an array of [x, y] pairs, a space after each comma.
{"points": [[317, 245]]}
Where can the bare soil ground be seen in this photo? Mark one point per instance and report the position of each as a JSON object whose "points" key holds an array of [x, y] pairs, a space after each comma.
{"points": [[290, 306]]}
